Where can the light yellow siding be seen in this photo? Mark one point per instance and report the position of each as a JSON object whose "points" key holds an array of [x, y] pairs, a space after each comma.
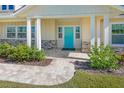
{"points": [[3, 26], [117, 20], [48, 29], [85, 29]]}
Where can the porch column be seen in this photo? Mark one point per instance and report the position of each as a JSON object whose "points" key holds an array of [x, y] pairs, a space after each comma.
{"points": [[38, 33], [98, 32], [92, 30], [29, 32], [106, 30]]}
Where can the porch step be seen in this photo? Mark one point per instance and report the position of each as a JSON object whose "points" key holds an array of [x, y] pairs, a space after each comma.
{"points": [[78, 55]]}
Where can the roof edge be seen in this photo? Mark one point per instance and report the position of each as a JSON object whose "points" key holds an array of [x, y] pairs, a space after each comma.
{"points": [[119, 7], [21, 9]]}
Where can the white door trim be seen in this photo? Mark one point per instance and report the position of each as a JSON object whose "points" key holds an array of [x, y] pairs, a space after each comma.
{"points": [[74, 29]]}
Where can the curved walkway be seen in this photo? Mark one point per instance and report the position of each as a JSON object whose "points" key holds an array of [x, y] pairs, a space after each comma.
{"points": [[59, 71]]}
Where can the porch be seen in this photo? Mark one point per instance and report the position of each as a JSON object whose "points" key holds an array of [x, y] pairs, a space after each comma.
{"points": [[87, 31]]}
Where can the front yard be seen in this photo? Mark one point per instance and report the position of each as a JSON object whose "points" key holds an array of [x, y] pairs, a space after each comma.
{"points": [[81, 79], [87, 75]]}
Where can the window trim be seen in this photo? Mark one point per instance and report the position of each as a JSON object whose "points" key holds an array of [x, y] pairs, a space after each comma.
{"points": [[17, 32], [77, 32], [115, 45], [20, 32], [61, 32]]}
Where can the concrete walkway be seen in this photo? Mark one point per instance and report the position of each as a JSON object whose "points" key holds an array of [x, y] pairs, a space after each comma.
{"points": [[58, 53], [59, 71]]}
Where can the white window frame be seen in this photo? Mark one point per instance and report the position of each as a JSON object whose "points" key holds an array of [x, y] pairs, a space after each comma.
{"points": [[17, 32], [58, 33], [33, 32], [77, 32], [115, 45]]}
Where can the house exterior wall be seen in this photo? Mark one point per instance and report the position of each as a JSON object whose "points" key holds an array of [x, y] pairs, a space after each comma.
{"points": [[49, 29], [112, 20], [3, 26], [48, 33]]}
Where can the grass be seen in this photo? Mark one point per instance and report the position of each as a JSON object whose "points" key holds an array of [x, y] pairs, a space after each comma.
{"points": [[80, 80]]}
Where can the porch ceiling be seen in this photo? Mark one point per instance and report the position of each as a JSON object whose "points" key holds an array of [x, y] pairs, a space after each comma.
{"points": [[48, 11]]}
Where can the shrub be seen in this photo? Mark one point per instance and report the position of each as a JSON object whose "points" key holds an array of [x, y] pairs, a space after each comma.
{"points": [[36, 55], [103, 58], [23, 53], [5, 50], [122, 58]]}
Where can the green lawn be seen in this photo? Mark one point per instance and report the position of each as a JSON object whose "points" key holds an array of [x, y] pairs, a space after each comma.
{"points": [[80, 80]]}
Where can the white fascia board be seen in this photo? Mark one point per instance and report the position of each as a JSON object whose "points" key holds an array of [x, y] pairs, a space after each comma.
{"points": [[120, 16], [8, 16], [14, 14], [119, 7]]}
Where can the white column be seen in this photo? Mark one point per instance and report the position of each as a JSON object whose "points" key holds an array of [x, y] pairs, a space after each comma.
{"points": [[38, 33], [92, 30], [106, 30], [29, 32], [98, 32]]}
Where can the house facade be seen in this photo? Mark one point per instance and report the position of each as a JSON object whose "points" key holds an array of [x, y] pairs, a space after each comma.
{"points": [[62, 26]]}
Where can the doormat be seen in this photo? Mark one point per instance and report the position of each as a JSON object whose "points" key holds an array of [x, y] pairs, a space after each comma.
{"points": [[68, 49]]}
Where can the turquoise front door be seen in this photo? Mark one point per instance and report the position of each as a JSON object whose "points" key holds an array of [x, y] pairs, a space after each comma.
{"points": [[68, 37]]}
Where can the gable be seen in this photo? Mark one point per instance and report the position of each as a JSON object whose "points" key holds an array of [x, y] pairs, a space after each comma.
{"points": [[69, 10]]}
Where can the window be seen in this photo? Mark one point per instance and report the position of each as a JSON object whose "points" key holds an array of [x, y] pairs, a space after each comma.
{"points": [[117, 33], [4, 7], [21, 32], [11, 7], [60, 33], [8, 7], [77, 32], [33, 31], [11, 32]]}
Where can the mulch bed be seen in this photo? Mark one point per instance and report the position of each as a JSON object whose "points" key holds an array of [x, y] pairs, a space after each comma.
{"points": [[84, 66], [45, 62]]}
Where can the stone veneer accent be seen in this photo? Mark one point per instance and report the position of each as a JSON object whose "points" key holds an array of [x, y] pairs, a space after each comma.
{"points": [[118, 49], [13, 41], [85, 47], [46, 44], [49, 44]]}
